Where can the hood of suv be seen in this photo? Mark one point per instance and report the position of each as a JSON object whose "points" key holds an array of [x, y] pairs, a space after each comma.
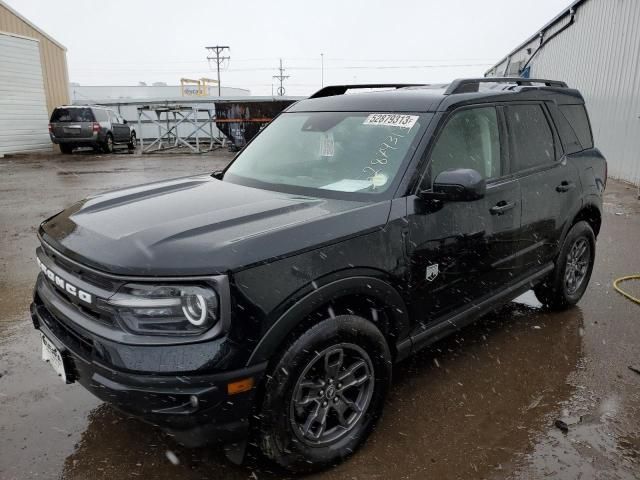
{"points": [[200, 226]]}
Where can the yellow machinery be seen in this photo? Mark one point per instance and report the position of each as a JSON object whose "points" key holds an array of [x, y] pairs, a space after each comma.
{"points": [[196, 88]]}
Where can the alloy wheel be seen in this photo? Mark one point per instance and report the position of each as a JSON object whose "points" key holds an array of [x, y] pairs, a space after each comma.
{"points": [[578, 260], [332, 394]]}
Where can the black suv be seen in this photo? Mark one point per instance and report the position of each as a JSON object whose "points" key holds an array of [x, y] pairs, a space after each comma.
{"points": [[90, 126], [270, 300]]}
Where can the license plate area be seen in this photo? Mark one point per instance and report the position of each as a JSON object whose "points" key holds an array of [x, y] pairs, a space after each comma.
{"points": [[54, 357], [74, 130]]}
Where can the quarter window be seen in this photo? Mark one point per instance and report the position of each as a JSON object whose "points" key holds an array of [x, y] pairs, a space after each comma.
{"points": [[470, 139], [577, 117], [531, 136]]}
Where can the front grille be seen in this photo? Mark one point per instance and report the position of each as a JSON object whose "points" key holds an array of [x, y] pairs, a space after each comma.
{"points": [[78, 341], [93, 312], [78, 271], [98, 286]]}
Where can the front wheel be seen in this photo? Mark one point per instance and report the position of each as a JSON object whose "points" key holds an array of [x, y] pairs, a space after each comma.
{"points": [[568, 281], [325, 394]]}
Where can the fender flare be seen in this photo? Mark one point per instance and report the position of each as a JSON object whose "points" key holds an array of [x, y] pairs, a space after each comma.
{"points": [[363, 285], [584, 206]]}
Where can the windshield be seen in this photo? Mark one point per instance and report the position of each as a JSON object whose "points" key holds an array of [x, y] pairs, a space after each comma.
{"points": [[329, 151]]}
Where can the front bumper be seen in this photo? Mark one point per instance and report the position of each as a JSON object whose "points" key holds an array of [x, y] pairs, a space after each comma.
{"points": [[196, 409]]}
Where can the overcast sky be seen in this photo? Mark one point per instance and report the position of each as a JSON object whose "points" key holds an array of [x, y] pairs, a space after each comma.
{"points": [[123, 42]]}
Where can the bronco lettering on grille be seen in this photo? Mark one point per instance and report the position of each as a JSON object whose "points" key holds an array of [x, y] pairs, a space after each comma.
{"points": [[63, 285]]}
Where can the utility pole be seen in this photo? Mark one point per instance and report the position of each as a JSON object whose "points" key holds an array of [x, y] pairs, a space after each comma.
{"points": [[281, 78], [217, 50]]}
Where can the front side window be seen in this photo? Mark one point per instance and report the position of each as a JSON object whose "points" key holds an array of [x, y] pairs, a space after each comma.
{"points": [[531, 136], [470, 139], [316, 152]]}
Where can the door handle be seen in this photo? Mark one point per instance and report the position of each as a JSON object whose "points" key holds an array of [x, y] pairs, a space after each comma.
{"points": [[501, 207], [565, 186]]}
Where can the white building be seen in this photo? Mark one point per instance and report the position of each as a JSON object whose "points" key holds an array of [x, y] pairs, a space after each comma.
{"points": [[594, 46], [80, 94], [127, 98]]}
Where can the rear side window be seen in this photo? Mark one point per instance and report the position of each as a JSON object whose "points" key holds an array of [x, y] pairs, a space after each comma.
{"points": [[530, 135], [577, 117], [72, 115], [101, 115]]}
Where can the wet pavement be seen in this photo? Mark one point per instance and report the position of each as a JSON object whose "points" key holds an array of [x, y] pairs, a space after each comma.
{"points": [[480, 404]]}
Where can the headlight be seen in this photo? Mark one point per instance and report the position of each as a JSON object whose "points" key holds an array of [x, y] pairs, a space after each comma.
{"points": [[166, 309]]}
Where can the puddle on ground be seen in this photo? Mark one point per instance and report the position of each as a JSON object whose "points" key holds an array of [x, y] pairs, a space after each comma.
{"points": [[461, 409]]}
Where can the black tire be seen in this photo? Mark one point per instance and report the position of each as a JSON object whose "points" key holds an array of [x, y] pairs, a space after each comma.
{"points": [[66, 149], [282, 436], [107, 147], [558, 291], [132, 142]]}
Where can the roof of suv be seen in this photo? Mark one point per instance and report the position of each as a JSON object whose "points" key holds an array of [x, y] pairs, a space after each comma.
{"points": [[432, 98], [83, 106]]}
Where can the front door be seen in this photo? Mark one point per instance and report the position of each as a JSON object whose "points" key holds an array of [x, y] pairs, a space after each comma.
{"points": [[119, 128], [462, 251]]}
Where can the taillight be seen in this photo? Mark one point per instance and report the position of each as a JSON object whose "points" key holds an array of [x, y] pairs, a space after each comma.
{"points": [[96, 127], [50, 128]]}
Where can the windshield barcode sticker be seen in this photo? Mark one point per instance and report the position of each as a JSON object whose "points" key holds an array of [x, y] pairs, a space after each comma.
{"points": [[391, 120]]}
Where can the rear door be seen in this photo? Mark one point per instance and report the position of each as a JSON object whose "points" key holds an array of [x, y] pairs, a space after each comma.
{"points": [[550, 185], [460, 252], [72, 122]]}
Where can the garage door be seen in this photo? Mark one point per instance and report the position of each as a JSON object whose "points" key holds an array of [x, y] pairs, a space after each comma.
{"points": [[23, 107]]}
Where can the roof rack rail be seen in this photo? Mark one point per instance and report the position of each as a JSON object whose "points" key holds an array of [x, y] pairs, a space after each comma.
{"points": [[470, 85], [332, 90]]}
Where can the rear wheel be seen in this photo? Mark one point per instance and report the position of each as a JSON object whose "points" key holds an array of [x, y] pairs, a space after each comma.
{"points": [[568, 281], [325, 394], [66, 149], [108, 144], [132, 142]]}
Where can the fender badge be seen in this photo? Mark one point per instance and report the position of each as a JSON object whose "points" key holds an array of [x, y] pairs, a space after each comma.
{"points": [[432, 272]]}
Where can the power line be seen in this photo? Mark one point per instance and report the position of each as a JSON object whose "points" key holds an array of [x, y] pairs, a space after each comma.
{"points": [[260, 69], [281, 78], [218, 49]]}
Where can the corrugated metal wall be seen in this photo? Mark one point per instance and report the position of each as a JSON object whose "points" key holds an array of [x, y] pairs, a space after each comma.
{"points": [[23, 110], [52, 54], [599, 54]]}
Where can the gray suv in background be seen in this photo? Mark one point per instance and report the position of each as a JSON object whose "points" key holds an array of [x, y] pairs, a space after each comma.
{"points": [[90, 126]]}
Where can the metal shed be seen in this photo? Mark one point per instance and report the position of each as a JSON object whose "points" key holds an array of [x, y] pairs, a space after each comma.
{"points": [[33, 80], [593, 45]]}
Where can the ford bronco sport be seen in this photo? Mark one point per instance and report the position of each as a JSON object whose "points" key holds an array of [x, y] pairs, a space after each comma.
{"points": [[270, 300]]}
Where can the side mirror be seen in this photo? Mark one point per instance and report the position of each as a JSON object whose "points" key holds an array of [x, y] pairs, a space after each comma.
{"points": [[457, 185], [124, 121], [218, 174]]}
